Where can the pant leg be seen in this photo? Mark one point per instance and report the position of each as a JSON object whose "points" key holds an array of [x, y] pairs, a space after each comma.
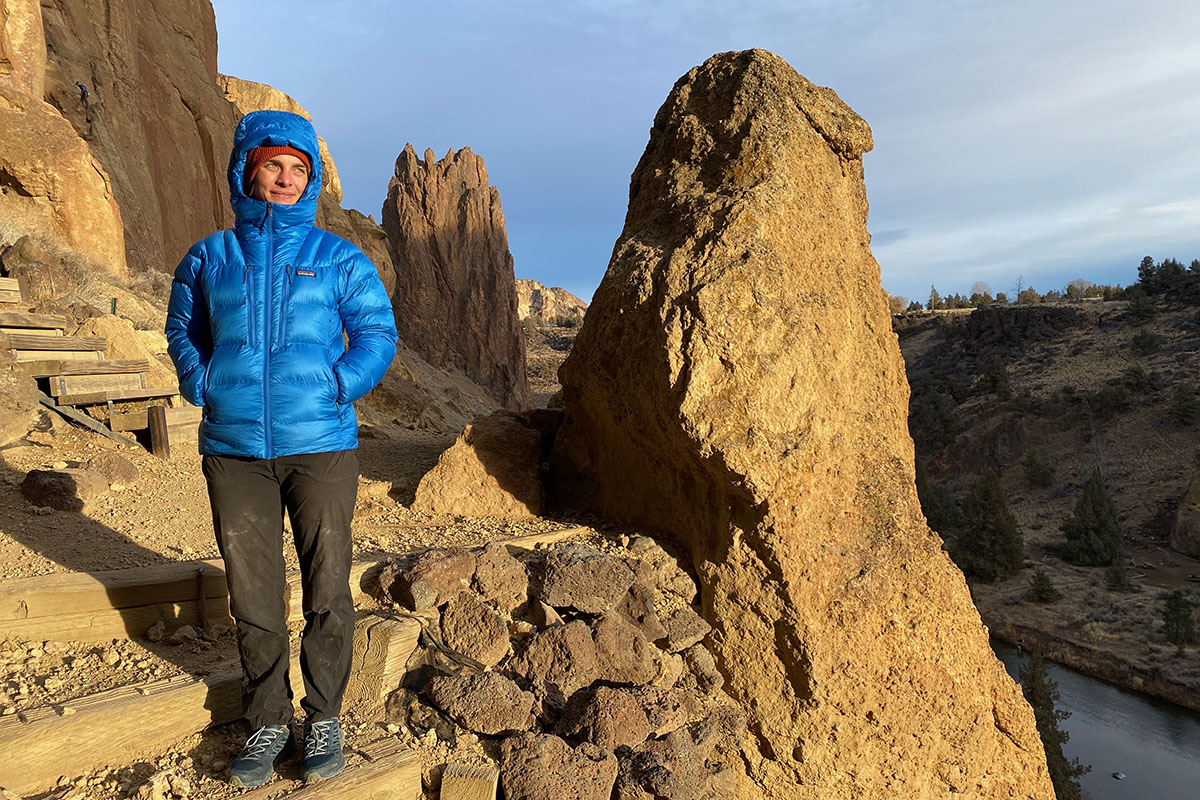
{"points": [[319, 490], [248, 520]]}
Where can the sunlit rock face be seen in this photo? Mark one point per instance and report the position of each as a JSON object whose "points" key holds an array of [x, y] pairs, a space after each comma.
{"points": [[737, 384]]}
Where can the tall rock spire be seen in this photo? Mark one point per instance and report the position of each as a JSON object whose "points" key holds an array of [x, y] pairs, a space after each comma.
{"points": [[455, 297]]}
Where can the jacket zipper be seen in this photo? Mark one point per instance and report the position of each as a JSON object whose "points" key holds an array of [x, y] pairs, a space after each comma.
{"points": [[249, 305], [267, 333], [283, 311]]}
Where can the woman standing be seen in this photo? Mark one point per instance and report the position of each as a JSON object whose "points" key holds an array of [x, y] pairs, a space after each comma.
{"points": [[255, 326]]}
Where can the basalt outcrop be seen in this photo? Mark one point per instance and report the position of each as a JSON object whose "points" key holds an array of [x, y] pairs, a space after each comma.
{"points": [[547, 305], [737, 384], [455, 297]]}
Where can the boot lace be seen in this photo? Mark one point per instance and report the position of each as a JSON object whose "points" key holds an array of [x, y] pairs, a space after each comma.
{"points": [[263, 741], [324, 736]]}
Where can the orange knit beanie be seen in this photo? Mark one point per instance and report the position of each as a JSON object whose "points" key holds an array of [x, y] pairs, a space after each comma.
{"points": [[261, 155]]}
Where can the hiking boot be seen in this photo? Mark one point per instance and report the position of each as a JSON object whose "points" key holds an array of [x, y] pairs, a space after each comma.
{"points": [[323, 756], [256, 763]]}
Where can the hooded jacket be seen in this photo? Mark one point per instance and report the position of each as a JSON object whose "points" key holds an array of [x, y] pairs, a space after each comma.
{"points": [[256, 316]]}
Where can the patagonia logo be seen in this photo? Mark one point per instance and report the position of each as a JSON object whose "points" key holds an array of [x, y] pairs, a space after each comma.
{"points": [[306, 273]]}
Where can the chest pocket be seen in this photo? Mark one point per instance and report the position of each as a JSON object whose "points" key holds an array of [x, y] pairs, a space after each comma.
{"points": [[309, 307]]}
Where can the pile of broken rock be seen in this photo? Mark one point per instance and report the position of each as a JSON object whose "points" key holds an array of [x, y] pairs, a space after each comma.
{"points": [[558, 661]]}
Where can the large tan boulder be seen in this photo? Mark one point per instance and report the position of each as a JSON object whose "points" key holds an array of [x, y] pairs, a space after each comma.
{"points": [[156, 121], [491, 470], [547, 304], [455, 297], [1185, 535], [22, 47], [56, 191], [737, 384]]}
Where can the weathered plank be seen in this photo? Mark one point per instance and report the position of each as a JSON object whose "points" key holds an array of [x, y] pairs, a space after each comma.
{"points": [[38, 331], [125, 623], [382, 770], [10, 297], [24, 356], [35, 341], [9, 285], [96, 398], [61, 385], [382, 648], [122, 725], [85, 420], [20, 319], [74, 592], [114, 727], [46, 368], [462, 782]]}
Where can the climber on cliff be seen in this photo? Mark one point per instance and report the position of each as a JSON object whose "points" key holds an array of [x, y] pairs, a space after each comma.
{"points": [[83, 93], [255, 325]]}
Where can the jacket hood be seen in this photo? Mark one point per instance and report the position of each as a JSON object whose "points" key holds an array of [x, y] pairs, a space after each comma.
{"points": [[260, 128]]}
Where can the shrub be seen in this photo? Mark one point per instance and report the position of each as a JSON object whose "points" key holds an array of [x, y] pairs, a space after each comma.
{"points": [[1110, 401], [1116, 575], [1185, 405], [1093, 532], [932, 418], [994, 380], [1038, 470], [1137, 380], [1041, 588], [1177, 620], [989, 547], [1146, 342]]}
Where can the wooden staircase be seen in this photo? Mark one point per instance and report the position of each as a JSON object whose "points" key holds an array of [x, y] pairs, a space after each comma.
{"points": [[72, 373]]}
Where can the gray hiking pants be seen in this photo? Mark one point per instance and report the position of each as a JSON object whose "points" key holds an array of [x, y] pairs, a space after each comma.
{"points": [[248, 498]]}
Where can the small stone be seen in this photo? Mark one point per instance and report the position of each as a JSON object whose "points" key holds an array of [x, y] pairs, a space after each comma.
{"points": [[473, 629], [684, 628], [111, 657], [59, 465], [185, 633], [157, 631], [582, 578]]}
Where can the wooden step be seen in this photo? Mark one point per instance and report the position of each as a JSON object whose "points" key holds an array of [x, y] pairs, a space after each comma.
{"points": [[20, 319], [116, 395], [24, 356], [32, 331], [125, 724], [68, 385], [138, 420], [463, 782], [386, 770], [46, 368], [84, 420], [10, 297], [34, 341]]}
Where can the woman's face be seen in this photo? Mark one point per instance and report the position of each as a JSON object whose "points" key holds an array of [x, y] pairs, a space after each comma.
{"points": [[281, 180]]}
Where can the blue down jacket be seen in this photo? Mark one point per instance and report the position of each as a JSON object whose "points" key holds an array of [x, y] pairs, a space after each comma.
{"points": [[256, 315]]}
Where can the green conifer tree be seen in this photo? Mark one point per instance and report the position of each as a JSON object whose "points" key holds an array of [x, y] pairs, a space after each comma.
{"points": [[989, 547], [1093, 532], [937, 504], [1177, 620], [1042, 694]]}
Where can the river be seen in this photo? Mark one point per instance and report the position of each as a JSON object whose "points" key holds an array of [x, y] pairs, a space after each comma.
{"points": [[1155, 744]]}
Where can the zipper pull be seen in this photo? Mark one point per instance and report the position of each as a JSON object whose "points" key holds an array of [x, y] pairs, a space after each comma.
{"points": [[246, 275]]}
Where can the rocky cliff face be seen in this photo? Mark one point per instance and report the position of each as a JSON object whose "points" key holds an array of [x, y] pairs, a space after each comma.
{"points": [[455, 297], [155, 118], [50, 183], [737, 384], [247, 96], [547, 304]]}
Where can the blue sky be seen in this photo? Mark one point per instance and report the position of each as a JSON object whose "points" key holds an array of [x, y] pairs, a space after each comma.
{"points": [[1048, 139]]}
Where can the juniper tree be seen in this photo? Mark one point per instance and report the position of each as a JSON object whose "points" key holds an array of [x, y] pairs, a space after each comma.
{"points": [[1042, 694], [989, 546], [1041, 588], [937, 504], [1093, 532], [1177, 620]]}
